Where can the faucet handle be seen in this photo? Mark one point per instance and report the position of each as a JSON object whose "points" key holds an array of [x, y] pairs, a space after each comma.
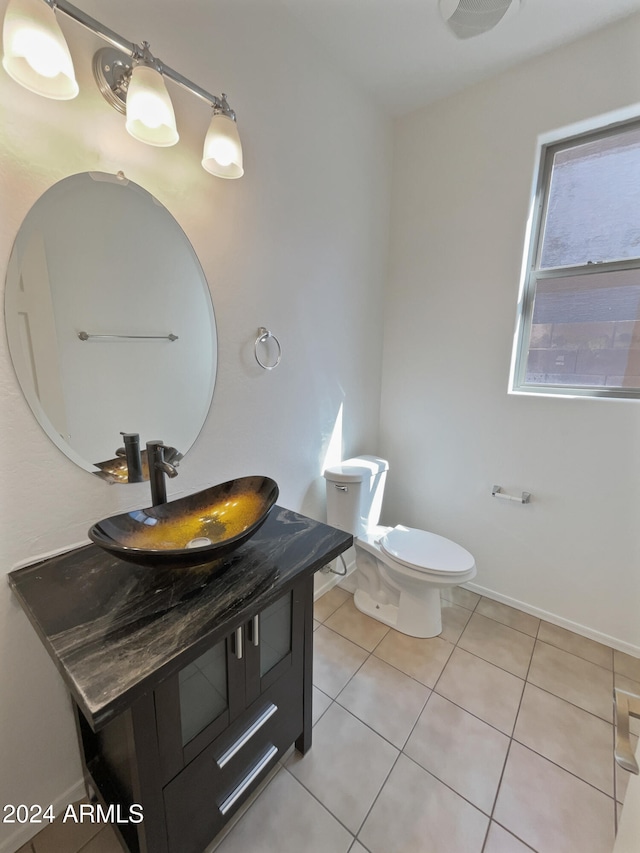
{"points": [[172, 456], [169, 454]]}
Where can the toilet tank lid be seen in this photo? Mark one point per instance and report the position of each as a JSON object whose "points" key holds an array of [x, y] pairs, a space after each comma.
{"points": [[356, 469]]}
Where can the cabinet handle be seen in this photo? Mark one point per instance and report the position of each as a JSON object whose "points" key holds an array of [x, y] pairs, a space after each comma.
{"points": [[255, 630], [626, 705], [248, 779], [246, 736], [239, 643]]}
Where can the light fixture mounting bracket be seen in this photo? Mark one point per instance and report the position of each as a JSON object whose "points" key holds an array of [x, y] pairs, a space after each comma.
{"points": [[112, 71]]}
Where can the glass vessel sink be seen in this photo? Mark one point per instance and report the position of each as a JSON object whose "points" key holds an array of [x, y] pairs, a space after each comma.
{"points": [[191, 531]]}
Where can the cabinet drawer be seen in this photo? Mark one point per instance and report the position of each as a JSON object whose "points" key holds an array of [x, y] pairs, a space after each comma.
{"points": [[200, 800]]}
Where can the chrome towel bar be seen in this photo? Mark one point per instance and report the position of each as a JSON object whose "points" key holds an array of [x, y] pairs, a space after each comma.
{"points": [[498, 493], [85, 336]]}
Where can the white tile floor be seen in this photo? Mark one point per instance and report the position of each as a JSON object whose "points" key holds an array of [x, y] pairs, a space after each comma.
{"points": [[495, 737]]}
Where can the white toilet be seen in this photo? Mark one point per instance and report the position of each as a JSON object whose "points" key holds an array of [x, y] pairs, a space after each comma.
{"points": [[399, 570]]}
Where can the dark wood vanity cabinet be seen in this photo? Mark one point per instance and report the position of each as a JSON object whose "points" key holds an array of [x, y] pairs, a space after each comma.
{"points": [[260, 717], [219, 725], [188, 685]]}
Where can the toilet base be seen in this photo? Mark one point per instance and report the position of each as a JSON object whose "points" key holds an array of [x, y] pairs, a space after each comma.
{"points": [[415, 616]]}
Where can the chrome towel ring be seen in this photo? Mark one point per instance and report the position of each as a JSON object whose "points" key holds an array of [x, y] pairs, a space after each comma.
{"points": [[263, 337]]}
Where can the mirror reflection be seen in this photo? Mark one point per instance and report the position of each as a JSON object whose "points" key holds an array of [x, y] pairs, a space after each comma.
{"points": [[109, 320]]}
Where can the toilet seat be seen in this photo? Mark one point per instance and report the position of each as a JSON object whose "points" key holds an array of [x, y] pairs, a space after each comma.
{"points": [[426, 552]]}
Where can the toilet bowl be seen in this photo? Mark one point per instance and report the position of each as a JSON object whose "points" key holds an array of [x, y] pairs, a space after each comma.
{"points": [[399, 570]]}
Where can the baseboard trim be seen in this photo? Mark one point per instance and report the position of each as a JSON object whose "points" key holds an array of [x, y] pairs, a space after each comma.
{"points": [[583, 630], [27, 831]]}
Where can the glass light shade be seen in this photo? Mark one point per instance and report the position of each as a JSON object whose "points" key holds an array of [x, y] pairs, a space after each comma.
{"points": [[35, 51], [150, 116], [222, 154]]}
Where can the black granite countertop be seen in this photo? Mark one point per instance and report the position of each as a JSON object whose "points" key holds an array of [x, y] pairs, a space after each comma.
{"points": [[115, 630]]}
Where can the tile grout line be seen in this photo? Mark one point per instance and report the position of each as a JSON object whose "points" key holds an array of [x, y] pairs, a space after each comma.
{"points": [[579, 657], [319, 801], [399, 750], [495, 798], [362, 722], [526, 678], [515, 720], [434, 690], [511, 739], [570, 772], [454, 645], [526, 681], [447, 785], [544, 757], [377, 796], [511, 832], [549, 642], [535, 638]]}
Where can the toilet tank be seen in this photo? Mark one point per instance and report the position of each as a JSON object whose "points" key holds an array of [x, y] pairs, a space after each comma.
{"points": [[354, 493]]}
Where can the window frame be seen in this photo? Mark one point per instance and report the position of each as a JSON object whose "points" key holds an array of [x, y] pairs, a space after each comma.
{"points": [[547, 146]]}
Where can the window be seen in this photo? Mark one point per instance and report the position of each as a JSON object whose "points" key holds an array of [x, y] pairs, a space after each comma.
{"points": [[579, 315]]}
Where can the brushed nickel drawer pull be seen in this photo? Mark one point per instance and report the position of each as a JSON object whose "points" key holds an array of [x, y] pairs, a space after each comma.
{"points": [[255, 630], [239, 650], [246, 736], [248, 779], [626, 705]]}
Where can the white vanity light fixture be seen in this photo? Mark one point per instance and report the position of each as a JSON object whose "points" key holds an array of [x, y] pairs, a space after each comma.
{"points": [[222, 155], [129, 77], [35, 53], [150, 116]]}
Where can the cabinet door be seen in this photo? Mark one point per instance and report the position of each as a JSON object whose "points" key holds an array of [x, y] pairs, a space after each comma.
{"points": [[274, 626], [194, 707], [197, 704], [203, 693], [271, 646]]}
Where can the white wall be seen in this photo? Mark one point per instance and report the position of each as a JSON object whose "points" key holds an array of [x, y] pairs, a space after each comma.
{"points": [[462, 182], [298, 245]]}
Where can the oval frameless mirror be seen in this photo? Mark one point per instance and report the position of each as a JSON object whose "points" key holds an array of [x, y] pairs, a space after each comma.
{"points": [[109, 321]]}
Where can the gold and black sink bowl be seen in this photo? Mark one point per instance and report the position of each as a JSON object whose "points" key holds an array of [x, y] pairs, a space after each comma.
{"points": [[191, 531]]}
